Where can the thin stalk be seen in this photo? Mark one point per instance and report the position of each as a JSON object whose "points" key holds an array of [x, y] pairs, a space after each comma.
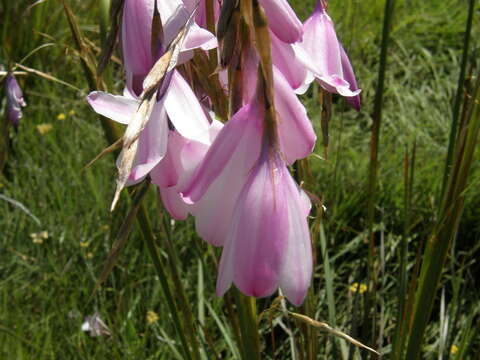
{"points": [[400, 330], [373, 172], [104, 20], [459, 94], [247, 309]]}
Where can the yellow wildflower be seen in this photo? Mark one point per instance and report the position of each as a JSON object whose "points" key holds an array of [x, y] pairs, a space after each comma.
{"points": [[71, 112], [61, 116], [44, 128], [152, 317], [454, 349], [38, 238], [356, 287], [84, 244], [89, 255]]}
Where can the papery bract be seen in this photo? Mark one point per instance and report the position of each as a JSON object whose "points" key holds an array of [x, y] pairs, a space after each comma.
{"points": [[268, 243], [15, 100]]}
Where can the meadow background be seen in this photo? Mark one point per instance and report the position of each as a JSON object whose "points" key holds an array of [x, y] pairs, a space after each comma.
{"points": [[46, 280]]}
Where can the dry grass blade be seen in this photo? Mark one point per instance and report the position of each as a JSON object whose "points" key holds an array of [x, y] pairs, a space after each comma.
{"points": [[116, 145], [328, 328], [46, 76], [151, 85], [130, 144], [122, 236]]}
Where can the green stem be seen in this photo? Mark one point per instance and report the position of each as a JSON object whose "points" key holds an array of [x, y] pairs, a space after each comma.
{"points": [[373, 172], [248, 326], [459, 94]]}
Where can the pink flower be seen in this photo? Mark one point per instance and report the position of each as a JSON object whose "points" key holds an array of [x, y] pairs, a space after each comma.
{"points": [[137, 31], [321, 52], [268, 242], [178, 104], [15, 100]]}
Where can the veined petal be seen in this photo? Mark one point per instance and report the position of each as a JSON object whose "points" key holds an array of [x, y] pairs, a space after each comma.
{"points": [[257, 238], [349, 75], [174, 203], [243, 124], [296, 269], [115, 107], [297, 137], [321, 52], [199, 38], [337, 85], [285, 59], [282, 20], [185, 111], [167, 172], [136, 35]]}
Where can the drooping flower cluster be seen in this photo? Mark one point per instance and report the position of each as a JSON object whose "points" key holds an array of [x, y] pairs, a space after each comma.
{"points": [[232, 178]]}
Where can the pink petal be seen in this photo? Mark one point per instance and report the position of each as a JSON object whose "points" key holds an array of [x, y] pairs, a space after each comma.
{"points": [[242, 124], [296, 270], [167, 172], [136, 34], [117, 108], [285, 59], [174, 203], [257, 238], [282, 20], [349, 75], [152, 144], [184, 110], [321, 52], [199, 38], [297, 137]]}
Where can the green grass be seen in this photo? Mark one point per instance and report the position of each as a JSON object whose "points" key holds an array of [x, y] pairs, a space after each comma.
{"points": [[46, 289]]}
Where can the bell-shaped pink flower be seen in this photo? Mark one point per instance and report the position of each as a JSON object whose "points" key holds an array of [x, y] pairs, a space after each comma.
{"points": [[268, 243], [15, 100], [321, 52], [137, 31]]}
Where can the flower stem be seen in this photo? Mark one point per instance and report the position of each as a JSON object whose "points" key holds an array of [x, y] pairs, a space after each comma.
{"points": [[248, 326]]}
